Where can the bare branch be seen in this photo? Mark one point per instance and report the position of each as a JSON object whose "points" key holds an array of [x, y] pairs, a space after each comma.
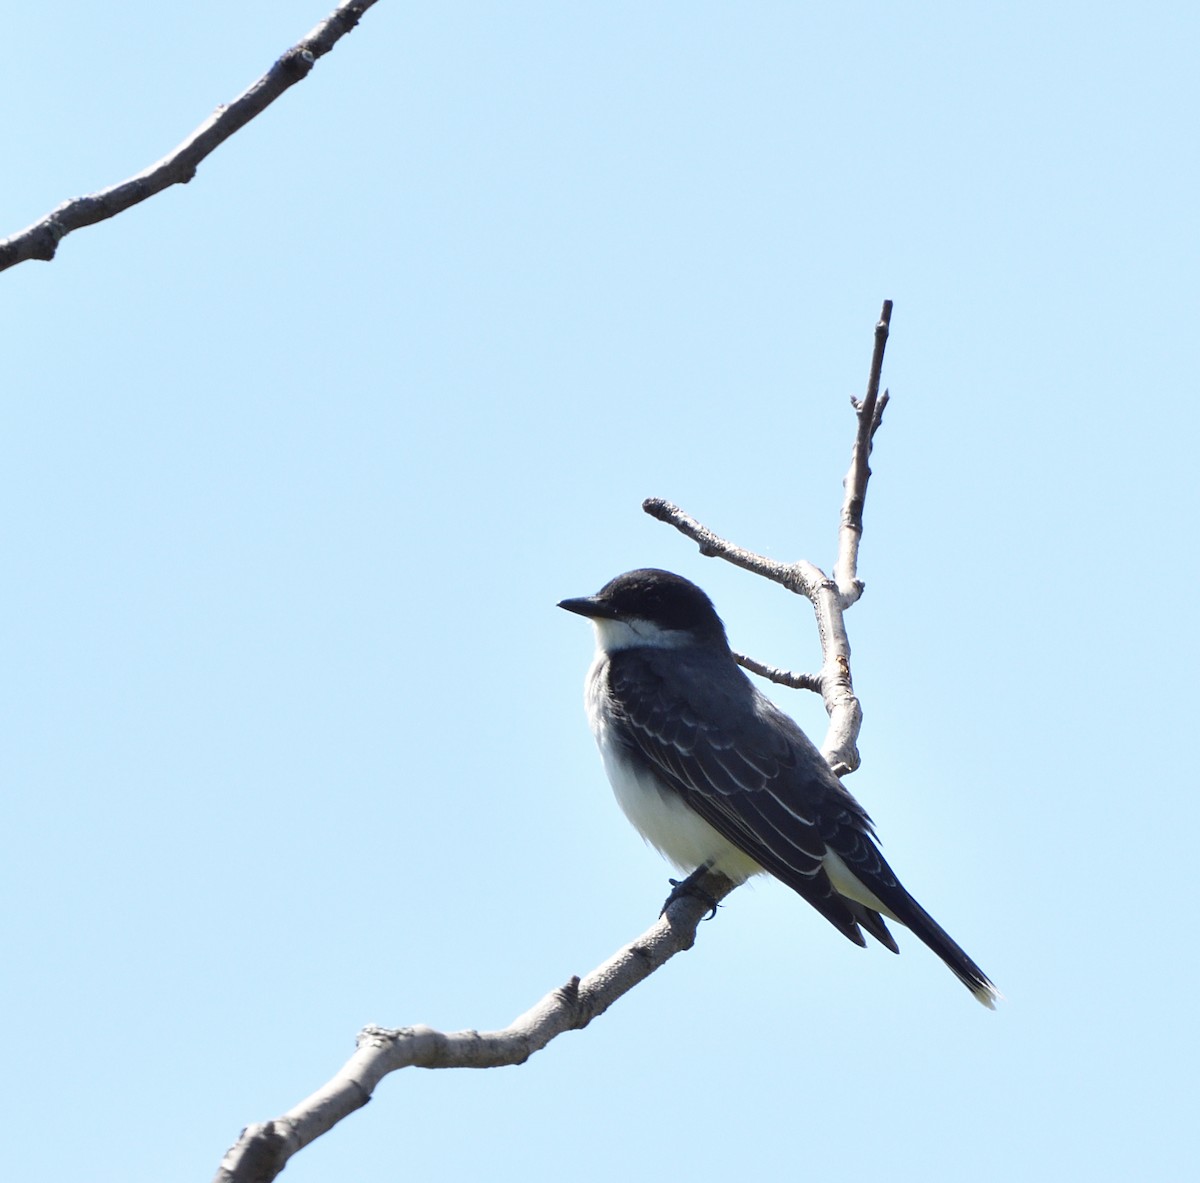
{"points": [[870, 416], [40, 241], [774, 674], [801, 577], [263, 1150], [829, 597]]}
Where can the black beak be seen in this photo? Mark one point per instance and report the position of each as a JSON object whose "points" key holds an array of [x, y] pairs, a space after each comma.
{"points": [[590, 606]]}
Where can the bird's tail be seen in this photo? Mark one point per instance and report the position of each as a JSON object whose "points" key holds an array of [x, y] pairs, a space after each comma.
{"points": [[914, 917], [869, 896]]}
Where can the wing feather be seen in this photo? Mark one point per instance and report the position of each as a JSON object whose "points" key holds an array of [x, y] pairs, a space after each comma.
{"points": [[745, 768]]}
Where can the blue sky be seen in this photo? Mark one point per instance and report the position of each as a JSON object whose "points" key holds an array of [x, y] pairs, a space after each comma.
{"points": [[297, 459]]}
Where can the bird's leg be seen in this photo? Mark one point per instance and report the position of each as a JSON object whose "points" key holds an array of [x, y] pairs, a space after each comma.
{"points": [[689, 886]]}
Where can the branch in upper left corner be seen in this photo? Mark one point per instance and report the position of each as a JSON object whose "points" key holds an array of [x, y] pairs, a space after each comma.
{"points": [[40, 241]]}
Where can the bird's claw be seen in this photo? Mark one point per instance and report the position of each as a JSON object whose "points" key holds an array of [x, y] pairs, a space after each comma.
{"points": [[689, 887]]}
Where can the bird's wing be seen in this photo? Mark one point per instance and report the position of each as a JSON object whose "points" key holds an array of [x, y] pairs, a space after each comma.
{"points": [[751, 773], [755, 777]]}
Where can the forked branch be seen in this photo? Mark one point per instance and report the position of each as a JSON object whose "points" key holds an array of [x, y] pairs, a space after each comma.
{"points": [[829, 597], [264, 1149]]}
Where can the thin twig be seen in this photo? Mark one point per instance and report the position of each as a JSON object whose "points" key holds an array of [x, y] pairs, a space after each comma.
{"points": [[774, 674], [263, 1149], [40, 241], [870, 416], [801, 577]]}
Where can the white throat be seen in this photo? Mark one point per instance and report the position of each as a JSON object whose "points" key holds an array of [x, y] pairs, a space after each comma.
{"points": [[612, 635]]}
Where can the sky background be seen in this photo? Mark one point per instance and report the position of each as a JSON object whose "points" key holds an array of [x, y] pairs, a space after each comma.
{"points": [[296, 461]]}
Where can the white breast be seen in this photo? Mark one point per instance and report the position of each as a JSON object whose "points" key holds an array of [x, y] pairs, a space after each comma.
{"points": [[656, 812]]}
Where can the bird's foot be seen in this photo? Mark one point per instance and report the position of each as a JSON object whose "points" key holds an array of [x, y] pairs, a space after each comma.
{"points": [[690, 886]]}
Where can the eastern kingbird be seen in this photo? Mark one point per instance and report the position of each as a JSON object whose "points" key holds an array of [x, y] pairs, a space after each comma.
{"points": [[714, 775]]}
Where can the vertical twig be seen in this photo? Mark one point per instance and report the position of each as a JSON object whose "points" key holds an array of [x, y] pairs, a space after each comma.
{"points": [[870, 415]]}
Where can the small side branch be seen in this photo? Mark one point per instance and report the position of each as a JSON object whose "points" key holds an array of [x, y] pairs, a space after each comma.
{"points": [[775, 674], [829, 597], [40, 241], [800, 577], [263, 1150]]}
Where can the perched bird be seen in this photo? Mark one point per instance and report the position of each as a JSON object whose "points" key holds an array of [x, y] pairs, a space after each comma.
{"points": [[714, 775]]}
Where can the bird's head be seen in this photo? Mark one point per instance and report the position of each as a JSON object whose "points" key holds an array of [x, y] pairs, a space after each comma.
{"points": [[650, 607]]}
